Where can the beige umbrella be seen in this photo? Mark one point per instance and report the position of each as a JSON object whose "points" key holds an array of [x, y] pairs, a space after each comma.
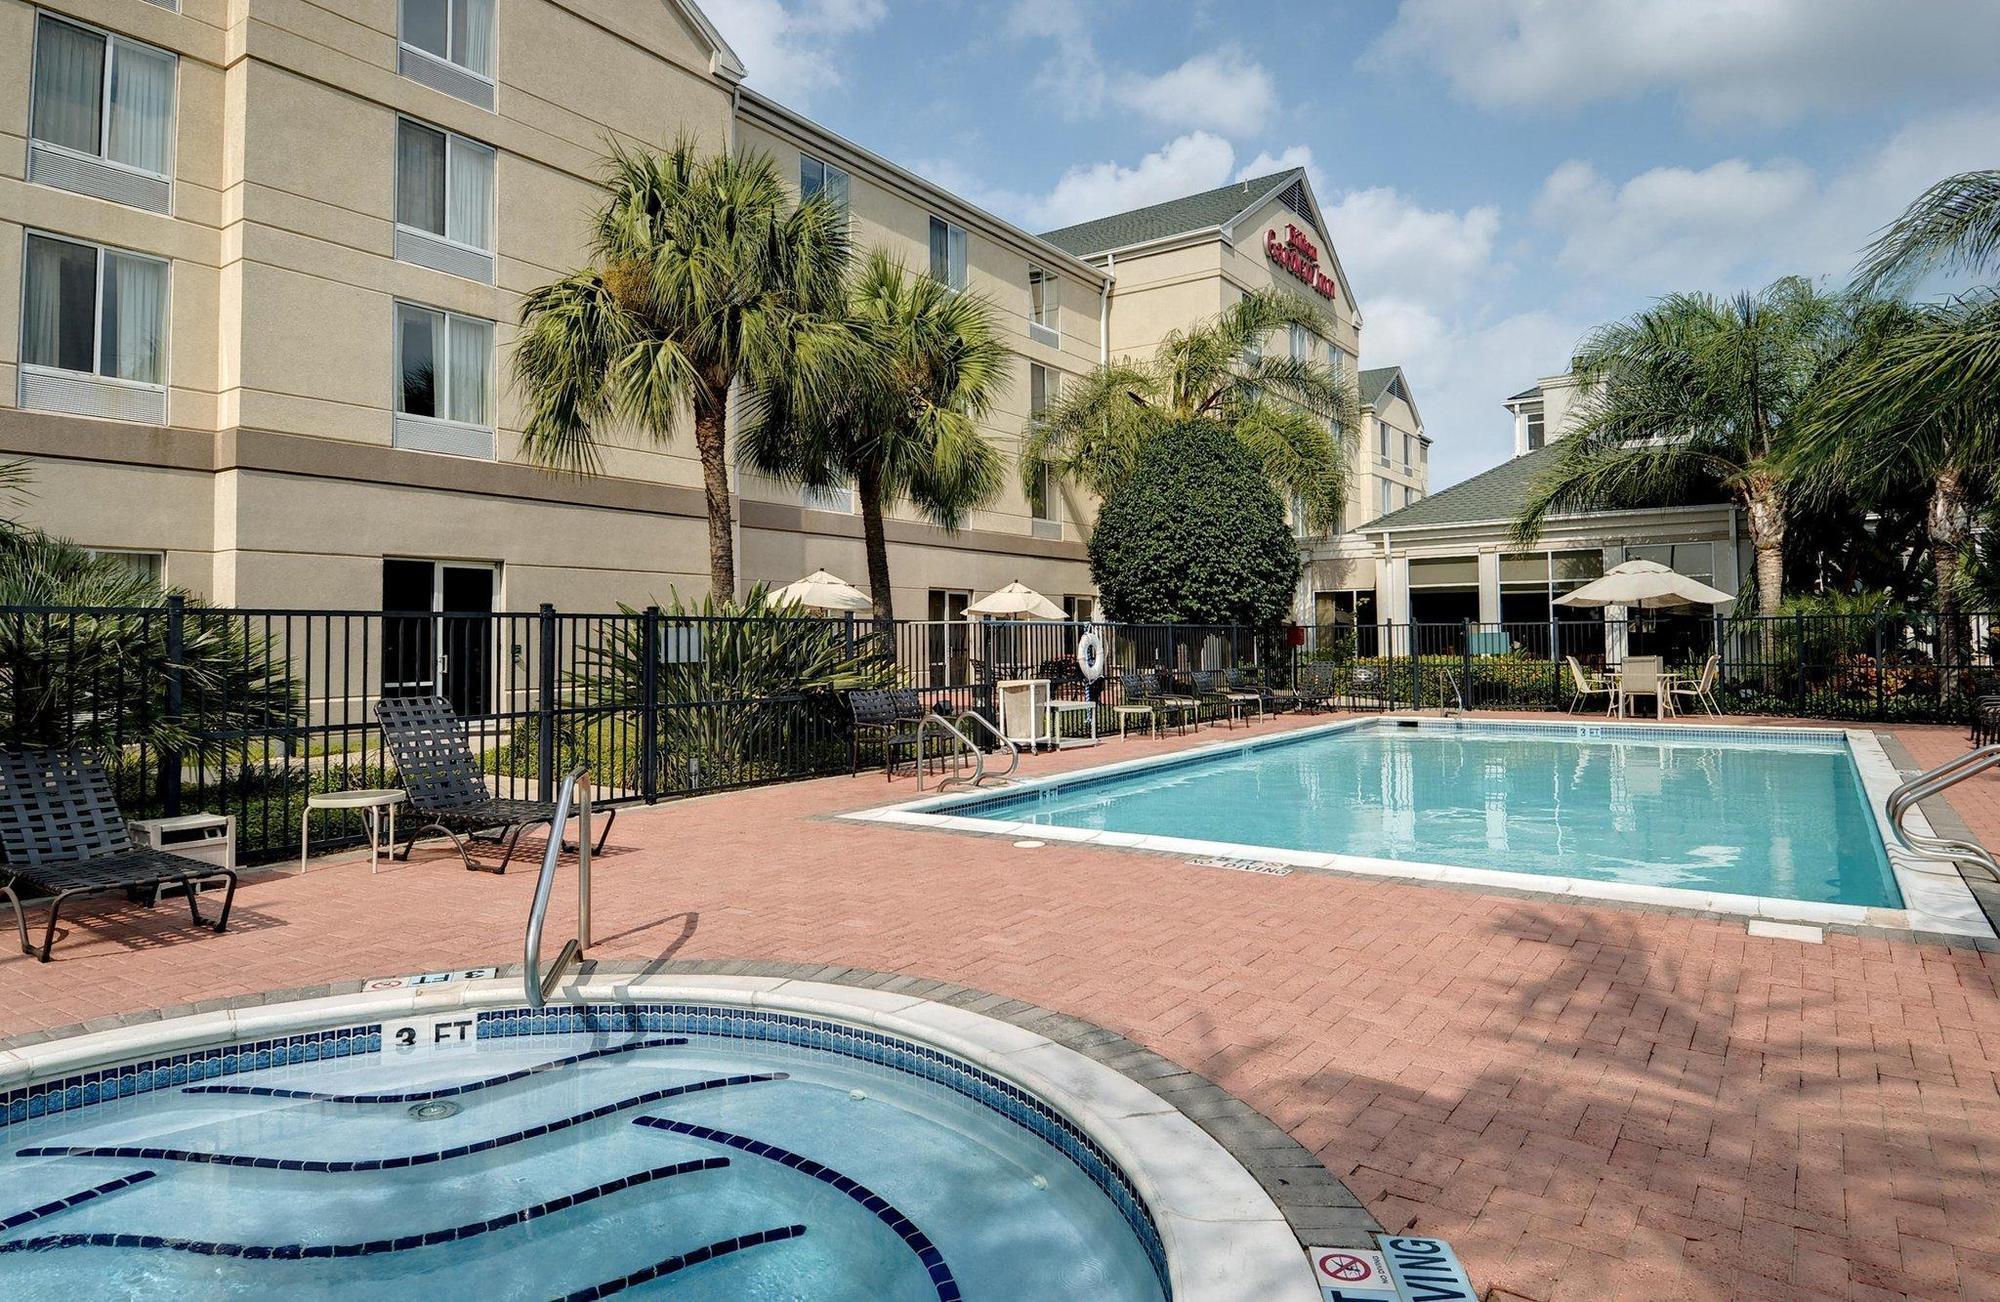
{"points": [[822, 591], [1646, 585], [1015, 601]]}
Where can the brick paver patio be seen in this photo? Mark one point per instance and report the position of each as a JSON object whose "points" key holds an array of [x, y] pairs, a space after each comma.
{"points": [[1588, 1101]]}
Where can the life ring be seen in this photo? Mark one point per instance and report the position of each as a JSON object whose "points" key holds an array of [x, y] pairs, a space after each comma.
{"points": [[1090, 655]]}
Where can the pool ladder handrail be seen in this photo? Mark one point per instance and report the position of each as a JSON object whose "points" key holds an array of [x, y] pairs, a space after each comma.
{"points": [[1942, 849], [955, 730], [575, 790]]}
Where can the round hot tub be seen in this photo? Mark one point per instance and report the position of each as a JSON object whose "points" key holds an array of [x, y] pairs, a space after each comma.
{"points": [[727, 1140]]}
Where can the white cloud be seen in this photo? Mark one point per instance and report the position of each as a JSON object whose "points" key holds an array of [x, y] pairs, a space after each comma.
{"points": [[1265, 163], [1186, 164], [788, 50], [1223, 90], [1392, 246], [1738, 223], [1769, 60]]}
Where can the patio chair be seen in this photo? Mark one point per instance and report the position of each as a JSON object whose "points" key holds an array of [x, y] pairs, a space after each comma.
{"points": [[1208, 690], [1269, 699], [1140, 695], [1166, 689], [1986, 720], [891, 718], [1640, 676], [65, 838], [1702, 690], [1315, 687], [1236, 686], [447, 792], [1582, 687]]}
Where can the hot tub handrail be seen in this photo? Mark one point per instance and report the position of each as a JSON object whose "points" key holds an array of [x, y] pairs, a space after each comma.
{"points": [[1929, 783], [575, 789], [1013, 751]]}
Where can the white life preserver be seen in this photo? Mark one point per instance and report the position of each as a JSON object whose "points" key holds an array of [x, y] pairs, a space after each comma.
{"points": [[1090, 655]]}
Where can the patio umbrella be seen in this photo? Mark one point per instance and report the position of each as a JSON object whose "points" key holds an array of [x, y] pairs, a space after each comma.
{"points": [[1015, 601], [1646, 585], [822, 591]]}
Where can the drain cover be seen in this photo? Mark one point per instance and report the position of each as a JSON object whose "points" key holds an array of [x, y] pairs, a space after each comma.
{"points": [[433, 1111]]}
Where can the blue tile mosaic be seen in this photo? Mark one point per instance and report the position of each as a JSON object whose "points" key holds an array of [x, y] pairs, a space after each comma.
{"points": [[706, 1253], [92, 1194], [444, 1092]]}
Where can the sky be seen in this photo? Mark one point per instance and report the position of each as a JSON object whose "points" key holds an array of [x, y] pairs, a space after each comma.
{"points": [[1498, 176]]}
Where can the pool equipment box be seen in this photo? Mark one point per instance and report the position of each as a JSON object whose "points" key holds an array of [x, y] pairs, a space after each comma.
{"points": [[206, 838]]}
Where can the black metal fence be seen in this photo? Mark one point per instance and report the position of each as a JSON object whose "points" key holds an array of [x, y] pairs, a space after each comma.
{"points": [[1902, 668], [251, 711]]}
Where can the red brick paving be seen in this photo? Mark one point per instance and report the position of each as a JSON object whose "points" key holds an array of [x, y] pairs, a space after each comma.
{"points": [[1588, 1101]]}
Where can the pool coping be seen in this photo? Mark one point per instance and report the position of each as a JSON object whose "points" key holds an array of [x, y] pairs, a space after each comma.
{"points": [[1937, 900], [1238, 1203]]}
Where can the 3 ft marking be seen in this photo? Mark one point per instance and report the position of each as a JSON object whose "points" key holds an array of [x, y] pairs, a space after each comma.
{"points": [[425, 1033]]}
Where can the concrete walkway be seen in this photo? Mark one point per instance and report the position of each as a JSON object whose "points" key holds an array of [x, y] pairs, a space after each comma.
{"points": [[1588, 1101]]}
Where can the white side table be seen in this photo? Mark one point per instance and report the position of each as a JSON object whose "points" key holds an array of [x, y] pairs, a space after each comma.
{"points": [[1060, 710], [373, 801]]}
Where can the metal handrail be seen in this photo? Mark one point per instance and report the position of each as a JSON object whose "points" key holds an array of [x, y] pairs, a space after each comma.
{"points": [[979, 774], [533, 984], [1929, 783], [1013, 751]]}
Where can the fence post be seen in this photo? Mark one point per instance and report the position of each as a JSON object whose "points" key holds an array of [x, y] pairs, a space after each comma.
{"points": [[649, 716], [1799, 638], [1465, 654], [1555, 663], [170, 754], [545, 708], [1880, 671]]}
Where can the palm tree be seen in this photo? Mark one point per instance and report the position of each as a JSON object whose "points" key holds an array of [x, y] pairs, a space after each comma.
{"points": [[702, 271], [1919, 398], [1953, 226], [1296, 414], [894, 407], [1695, 392]]}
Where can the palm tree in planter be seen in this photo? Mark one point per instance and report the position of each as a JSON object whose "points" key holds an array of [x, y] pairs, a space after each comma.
{"points": [[1919, 398], [1297, 415], [702, 272], [1696, 393], [894, 409]]}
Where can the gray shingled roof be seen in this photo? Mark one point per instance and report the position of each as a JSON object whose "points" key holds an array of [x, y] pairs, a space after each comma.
{"points": [[1495, 494], [1194, 212], [1372, 384]]}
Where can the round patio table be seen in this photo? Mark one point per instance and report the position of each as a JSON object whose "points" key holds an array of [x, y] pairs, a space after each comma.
{"points": [[373, 801]]}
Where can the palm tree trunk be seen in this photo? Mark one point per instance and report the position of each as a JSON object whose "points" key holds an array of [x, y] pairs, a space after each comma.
{"points": [[1945, 519], [868, 483], [710, 441], [1766, 518]]}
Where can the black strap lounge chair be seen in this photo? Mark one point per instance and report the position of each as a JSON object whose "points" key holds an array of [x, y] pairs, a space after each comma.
{"points": [[891, 719], [64, 838], [1141, 692], [1208, 689], [1251, 682], [1315, 687], [446, 790]]}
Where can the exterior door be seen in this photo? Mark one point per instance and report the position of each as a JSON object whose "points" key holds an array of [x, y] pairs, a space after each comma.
{"points": [[437, 632], [948, 637]]}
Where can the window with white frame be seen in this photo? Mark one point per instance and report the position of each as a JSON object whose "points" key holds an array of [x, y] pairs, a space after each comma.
{"points": [[1382, 441], [444, 379], [93, 311], [947, 253], [150, 566], [1042, 388], [1388, 497], [444, 201], [449, 46], [817, 177], [102, 114], [1409, 451], [1042, 306], [1302, 344]]}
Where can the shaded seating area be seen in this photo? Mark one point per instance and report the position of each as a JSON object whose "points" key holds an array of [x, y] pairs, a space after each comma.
{"points": [[447, 792], [1583, 686], [65, 839]]}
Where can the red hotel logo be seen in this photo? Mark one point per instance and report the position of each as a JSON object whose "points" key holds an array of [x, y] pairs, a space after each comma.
{"points": [[1296, 254]]}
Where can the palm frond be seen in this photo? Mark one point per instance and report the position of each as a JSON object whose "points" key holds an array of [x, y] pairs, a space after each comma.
{"points": [[1954, 225]]}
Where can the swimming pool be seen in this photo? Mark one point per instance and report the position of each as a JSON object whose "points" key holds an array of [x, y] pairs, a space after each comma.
{"points": [[1713, 812], [705, 1152]]}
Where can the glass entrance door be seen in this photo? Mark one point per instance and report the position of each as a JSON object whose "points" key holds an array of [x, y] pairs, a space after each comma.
{"points": [[948, 638], [437, 632]]}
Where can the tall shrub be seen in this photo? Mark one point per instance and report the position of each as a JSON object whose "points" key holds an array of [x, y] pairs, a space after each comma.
{"points": [[1195, 535]]}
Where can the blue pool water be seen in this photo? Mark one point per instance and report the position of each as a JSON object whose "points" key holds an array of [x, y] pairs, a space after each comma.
{"points": [[1697, 809], [688, 1165]]}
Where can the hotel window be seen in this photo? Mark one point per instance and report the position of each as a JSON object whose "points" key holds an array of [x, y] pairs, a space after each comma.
{"points": [[93, 331], [103, 115], [448, 45], [816, 177], [1298, 514], [947, 253], [1409, 495], [1534, 427], [1302, 344], [1388, 497], [444, 201], [1409, 452], [1042, 387], [444, 382], [1079, 609], [1042, 307], [150, 566], [1382, 441]]}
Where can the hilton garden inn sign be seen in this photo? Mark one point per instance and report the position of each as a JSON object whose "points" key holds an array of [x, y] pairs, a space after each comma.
{"points": [[1296, 254]]}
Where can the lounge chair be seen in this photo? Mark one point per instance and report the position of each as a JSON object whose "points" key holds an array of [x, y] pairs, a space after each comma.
{"points": [[1208, 690], [1168, 691], [1986, 720], [1269, 699], [891, 718], [65, 838], [1640, 676], [1141, 693], [1582, 687], [1702, 689], [447, 792], [1314, 691]]}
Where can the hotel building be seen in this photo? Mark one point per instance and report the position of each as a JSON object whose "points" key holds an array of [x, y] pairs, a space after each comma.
{"points": [[266, 259]]}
